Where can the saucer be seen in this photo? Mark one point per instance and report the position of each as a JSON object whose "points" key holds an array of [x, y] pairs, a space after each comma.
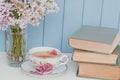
{"points": [[30, 70]]}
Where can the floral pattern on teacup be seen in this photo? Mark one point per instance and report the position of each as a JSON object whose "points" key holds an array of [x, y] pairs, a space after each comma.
{"points": [[43, 68], [53, 52]]}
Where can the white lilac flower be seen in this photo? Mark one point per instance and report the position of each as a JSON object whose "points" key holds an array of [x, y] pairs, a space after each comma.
{"points": [[23, 13], [51, 7]]}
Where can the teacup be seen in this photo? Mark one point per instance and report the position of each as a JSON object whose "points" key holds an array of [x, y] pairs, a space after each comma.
{"points": [[47, 58]]}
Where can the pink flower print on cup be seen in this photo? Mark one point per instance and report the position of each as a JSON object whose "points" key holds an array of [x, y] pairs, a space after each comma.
{"points": [[43, 68], [53, 52]]}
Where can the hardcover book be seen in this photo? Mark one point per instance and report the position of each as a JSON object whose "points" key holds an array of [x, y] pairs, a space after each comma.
{"points": [[94, 57], [97, 39], [99, 71]]}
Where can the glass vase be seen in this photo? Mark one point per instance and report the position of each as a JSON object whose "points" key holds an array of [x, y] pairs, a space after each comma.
{"points": [[15, 45]]}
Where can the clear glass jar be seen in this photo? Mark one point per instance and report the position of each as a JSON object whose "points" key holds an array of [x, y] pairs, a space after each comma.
{"points": [[15, 45]]}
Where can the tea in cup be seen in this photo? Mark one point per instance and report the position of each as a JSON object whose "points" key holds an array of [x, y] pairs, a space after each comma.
{"points": [[45, 59]]}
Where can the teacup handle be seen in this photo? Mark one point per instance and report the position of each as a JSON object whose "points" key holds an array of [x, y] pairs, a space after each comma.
{"points": [[63, 59]]}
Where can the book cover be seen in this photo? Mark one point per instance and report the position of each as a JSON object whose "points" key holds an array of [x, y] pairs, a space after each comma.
{"points": [[93, 57], [97, 39], [118, 58], [96, 33], [94, 46], [99, 71]]}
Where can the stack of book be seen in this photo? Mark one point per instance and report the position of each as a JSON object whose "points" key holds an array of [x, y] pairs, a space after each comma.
{"points": [[96, 50]]}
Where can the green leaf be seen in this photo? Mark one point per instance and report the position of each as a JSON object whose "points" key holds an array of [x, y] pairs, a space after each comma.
{"points": [[48, 1], [38, 3], [16, 16], [7, 0]]}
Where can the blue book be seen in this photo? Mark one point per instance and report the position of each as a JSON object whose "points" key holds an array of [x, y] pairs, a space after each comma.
{"points": [[118, 59], [96, 39]]}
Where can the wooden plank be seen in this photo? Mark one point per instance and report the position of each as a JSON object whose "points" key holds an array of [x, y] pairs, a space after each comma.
{"points": [[110, 15], [92, 12], [34, 36], [72, 21], [53, 27], [2, 40]]}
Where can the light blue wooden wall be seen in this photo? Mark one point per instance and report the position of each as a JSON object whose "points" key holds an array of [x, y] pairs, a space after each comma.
{"points": [[56, 29]]}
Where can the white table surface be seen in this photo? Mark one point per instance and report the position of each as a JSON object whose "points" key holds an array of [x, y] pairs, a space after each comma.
{"points": [[13, 73]]}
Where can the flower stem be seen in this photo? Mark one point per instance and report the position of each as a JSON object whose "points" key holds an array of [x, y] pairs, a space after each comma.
{"points": [[17, 50]]}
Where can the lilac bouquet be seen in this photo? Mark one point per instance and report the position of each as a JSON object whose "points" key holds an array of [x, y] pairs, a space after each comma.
{"points": [[16, 12], [14, 17]]}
